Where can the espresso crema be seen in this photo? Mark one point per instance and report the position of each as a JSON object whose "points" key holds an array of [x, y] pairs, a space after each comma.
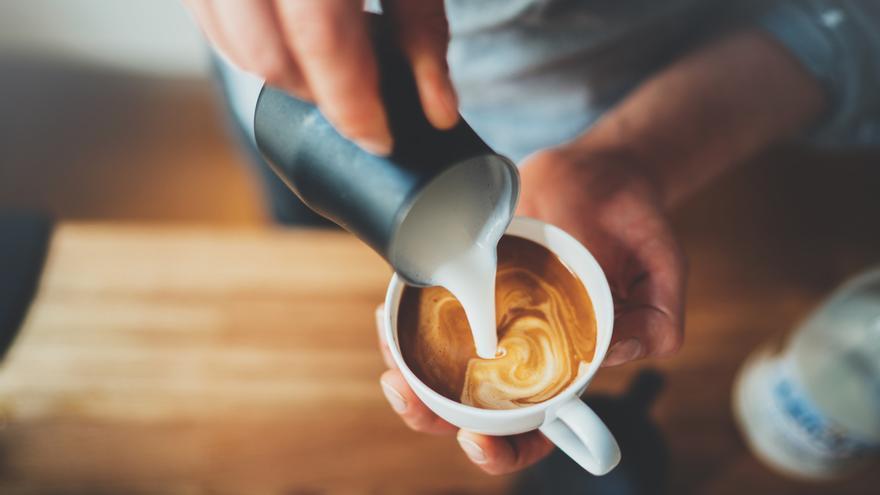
{"points": [[546, 333]]}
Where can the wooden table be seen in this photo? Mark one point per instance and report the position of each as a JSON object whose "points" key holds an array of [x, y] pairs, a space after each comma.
{"points": [[181, 359]]}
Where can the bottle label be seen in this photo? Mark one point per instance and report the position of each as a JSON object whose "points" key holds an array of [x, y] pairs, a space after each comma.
{"points": [[807, 433]]}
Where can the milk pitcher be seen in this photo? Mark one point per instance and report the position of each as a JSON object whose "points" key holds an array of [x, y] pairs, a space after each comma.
{"points": [[437, 187]]}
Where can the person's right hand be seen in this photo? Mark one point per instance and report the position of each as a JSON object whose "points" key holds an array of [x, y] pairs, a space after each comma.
{"points": [[320, 50]]}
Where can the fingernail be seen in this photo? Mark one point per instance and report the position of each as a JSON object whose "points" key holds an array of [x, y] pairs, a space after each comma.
{"points": [[473, 451], [623, 351], [375, 146], [398, 403]]}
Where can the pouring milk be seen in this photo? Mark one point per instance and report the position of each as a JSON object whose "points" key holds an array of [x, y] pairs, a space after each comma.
{"points": [[449, 238]]}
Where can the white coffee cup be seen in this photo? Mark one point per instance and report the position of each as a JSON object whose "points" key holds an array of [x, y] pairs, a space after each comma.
{"points": [[564, 419]]}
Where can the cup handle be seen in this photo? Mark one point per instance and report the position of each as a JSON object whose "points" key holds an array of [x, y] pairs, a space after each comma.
{"points": [[579, 432]]}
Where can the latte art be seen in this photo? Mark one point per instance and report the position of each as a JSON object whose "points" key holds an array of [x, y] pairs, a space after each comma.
{"points": [[546, 330], [539, 359]]}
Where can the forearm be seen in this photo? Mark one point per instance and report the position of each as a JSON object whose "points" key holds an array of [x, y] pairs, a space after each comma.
{"points": [[707, 111]]}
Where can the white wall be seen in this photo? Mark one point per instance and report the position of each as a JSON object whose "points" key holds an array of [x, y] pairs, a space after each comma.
{"points": [[151, 36]]}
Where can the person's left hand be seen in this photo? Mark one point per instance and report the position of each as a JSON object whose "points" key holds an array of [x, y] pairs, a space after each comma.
{"points": [[494, 455], [613, 209]]}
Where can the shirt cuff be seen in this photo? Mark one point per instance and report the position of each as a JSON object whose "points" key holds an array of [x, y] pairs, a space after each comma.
{"points": [[816, 33]]}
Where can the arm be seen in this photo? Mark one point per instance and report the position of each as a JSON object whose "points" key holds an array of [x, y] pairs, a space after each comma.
{"points": [[809, 65], [678, 130], [708, 111]]}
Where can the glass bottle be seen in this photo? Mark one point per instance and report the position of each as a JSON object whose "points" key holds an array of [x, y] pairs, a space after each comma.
{"points": [[812, 410]]}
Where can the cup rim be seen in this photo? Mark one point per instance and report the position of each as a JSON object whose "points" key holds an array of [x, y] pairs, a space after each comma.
{"points": [[597, 289]]}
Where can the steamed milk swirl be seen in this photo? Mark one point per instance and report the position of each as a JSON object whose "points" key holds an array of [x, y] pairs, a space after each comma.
{"points": [[546, 330]]}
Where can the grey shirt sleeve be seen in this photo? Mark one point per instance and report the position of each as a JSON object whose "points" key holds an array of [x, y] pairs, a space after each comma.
{"points": [[838, 42]]}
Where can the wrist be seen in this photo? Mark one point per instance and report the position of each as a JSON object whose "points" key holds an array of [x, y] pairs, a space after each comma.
{"points": [[603, 169], [598, 177]]}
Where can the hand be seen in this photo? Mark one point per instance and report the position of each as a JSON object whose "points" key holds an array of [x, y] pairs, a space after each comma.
{"points": [[320, 50], [613, 210], [494, 455]]}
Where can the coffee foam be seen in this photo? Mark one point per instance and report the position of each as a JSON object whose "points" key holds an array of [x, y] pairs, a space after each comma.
{"points": [[546, 329]]}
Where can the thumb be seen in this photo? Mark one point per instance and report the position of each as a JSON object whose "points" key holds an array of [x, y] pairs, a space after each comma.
{"points": [[649, 319], [423, 34]]}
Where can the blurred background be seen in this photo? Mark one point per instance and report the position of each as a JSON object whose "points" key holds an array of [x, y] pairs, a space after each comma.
{"points": [[110, 112], [181, 343]]}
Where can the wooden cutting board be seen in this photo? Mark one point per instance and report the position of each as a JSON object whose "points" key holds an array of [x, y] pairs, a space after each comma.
{"points": [[191, 360]]}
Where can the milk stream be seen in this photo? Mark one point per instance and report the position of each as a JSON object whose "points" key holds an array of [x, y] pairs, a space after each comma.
{"points": [[470, 277], [449, 238]]}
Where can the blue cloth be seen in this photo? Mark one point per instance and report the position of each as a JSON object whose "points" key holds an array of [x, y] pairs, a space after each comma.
{"points": [[839, 43], [532, 74]]}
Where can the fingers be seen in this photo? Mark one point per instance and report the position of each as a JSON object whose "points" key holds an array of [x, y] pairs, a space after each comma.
{"points": [[330, 41], [248, 33], [424, 36], [203, 12], [401, 398], [650, 318], [258, 44], [320, 50], [501, 455], [495, 455], [405, 403]]}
